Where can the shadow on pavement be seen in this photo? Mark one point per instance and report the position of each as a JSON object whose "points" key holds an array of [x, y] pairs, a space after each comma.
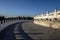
{"points": [[8, 33], [25, 35]]}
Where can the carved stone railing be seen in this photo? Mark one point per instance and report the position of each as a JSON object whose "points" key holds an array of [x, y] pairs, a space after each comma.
{"points": [[55, 24]]}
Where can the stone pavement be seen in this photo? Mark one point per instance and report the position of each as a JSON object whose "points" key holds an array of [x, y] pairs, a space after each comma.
{"points": [[28, 30], [20, 34], [39, 32]]}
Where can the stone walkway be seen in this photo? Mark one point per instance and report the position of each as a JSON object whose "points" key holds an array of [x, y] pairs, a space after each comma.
{"points": [[27, 30], [40, 32], [20, 34]]}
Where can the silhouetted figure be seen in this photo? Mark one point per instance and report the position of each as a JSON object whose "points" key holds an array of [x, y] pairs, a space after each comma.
{"points": [[2, 18]]}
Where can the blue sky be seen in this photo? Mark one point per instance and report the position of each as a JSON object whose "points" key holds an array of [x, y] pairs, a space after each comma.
{"points": [[27, 7]]}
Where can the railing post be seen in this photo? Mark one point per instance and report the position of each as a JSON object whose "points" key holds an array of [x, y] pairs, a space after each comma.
{"points": [[55, 13]]}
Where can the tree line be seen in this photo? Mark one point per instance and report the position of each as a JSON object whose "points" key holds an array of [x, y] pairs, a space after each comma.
{"points": [[4, 19]]}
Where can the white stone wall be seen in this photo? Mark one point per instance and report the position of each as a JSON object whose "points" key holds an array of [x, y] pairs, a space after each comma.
{"points": [[48, 23], [55, 25]]}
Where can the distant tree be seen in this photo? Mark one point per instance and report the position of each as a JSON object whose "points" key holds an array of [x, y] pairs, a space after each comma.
{"points": [[20, 18], [30, 18]]}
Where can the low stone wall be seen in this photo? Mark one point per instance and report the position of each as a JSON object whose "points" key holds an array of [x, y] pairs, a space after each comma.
{"points": [[51, 24], [4, 25]]}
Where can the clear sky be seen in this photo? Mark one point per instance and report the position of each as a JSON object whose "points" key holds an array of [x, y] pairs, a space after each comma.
{"points": [[27, 7]]}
